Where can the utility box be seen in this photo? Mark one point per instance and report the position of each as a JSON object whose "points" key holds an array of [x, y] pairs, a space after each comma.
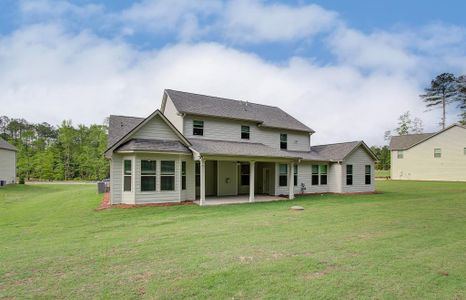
{"points": [[2, 182], [101, 187]]}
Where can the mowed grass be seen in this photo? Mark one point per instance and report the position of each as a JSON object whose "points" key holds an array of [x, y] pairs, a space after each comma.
{"points": [[408, 242]]}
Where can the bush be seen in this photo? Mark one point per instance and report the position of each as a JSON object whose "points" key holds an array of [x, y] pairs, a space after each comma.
{"points": [[21, 180]]}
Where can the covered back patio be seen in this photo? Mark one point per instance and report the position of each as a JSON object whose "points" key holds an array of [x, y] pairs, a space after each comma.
{"points": [[229, 180]]}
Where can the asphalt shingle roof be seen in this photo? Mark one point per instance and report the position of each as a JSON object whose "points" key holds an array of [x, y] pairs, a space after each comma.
{"points": [[403, 142], [329, 152], [267, 116], [215, 147], [119, 126], [153, 145], [7, 146]]}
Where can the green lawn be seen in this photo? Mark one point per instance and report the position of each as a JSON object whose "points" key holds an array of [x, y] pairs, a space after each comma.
{"points": [[409, 242]]}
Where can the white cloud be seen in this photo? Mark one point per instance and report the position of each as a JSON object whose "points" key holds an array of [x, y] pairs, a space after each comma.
{"points": [[50, 75], [255, 22]]}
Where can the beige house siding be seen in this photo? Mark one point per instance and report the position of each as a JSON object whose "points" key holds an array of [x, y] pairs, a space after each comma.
{"points": [[230, 130], [359, 159], [8, 166], [116, 181], [172, 114], [418, 162]]}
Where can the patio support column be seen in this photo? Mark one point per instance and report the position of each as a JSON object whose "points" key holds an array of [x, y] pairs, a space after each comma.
{"points": [[291, 180], [251, 180], [202, 187]]}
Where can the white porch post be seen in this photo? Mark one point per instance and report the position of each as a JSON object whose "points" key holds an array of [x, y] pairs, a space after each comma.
{"points": [[202, 174], [251, 180], [291, 180]]}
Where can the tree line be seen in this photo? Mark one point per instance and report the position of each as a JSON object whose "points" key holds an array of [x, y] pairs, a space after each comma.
{"points": [[64, 152]]}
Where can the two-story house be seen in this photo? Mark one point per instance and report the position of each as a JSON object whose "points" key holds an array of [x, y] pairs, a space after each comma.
{"points": [[430, 156], [203, 147]]}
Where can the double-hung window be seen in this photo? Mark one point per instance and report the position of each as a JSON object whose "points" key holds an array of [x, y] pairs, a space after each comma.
{"points": [[198, 127], [464, 150], [437, 153], [245, 132], [183, 175], [283, 175], [323, 174], [368, 174], [148, 173], [283, 141], [400, 154], [198, 173], [244, 174], [167, 175], [349, 174], [315, 175], [295, 175], [127, 174]]}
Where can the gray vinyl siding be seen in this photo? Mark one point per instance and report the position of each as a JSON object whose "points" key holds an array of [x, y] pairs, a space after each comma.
{"points": [[156, 129], [359, 159], [116, 180], [230, 130], [8, 166], [305, 176]]}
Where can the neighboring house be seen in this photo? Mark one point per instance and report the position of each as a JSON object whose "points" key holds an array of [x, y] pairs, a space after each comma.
{"points": [[198, 146], [7, 162], [430, 156]]}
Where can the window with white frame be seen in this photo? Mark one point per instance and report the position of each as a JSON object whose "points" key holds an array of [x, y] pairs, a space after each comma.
{"points": [[315, 175], [183, 175], [368, 174], [437, 153], [198, 173], [167, 175], [283, 175], [283, 141], [245, 174], [198, 127], [400, 154], [295, 175], [349, 174], [323, 174], [127, 175], [148, 173], [244, 132], [464, 150]]}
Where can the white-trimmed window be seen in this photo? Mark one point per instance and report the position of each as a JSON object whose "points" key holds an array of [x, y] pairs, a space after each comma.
{"points": [[198, 127], [167, 175], [295, 175], [437, 153], [148, 174], [323, 174], [245, 174], [127, 175], [183, 175], [315, 175], [245, 132], [368, 174], [283, 141], [197, 170], [283, 175], [464, 150], [349, 174], [400, 154]]}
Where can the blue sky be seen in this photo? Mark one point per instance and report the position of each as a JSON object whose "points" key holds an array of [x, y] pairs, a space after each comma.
{"points": [[329, 63]]}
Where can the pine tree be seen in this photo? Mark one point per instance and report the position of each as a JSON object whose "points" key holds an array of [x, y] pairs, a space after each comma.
{"points": [[442, 91]]}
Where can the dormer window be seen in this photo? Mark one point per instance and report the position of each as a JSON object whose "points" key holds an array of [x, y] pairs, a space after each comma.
{"points": [[283, 141], [198, 127], [244, 132]]}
